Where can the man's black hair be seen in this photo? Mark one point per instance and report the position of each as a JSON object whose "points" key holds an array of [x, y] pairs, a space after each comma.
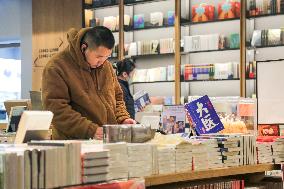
{"points": [[127, 65], [98, 36]]}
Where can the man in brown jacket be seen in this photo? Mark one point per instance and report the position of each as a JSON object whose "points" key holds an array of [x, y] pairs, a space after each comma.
{"points": [[80, 87]]}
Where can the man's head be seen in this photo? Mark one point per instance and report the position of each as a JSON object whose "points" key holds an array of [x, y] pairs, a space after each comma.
{"points": [[96, 45]]}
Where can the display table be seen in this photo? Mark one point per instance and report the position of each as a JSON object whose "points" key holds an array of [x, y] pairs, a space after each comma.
{"points": [[3, 125], [207, 174]]}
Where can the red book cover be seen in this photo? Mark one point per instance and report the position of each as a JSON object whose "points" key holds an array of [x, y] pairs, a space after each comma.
{"points": [[227, 10], [268, 130], [202, 13]]}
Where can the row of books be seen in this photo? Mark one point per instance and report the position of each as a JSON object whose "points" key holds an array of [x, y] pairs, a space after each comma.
{"points": [[206, 12], [218, 184], [46, 164], [161, 46], [211, 42], [154, 74], [267, 37], [137, 22], [271, 152], [229, 70], [189, 72], [263, 7]]}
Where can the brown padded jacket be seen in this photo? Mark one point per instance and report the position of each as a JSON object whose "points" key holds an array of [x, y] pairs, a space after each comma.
{"points": [[81, 98]]}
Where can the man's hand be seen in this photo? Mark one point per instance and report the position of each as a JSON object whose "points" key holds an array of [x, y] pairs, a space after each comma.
{"points": [[99, 133], [129, 121]]}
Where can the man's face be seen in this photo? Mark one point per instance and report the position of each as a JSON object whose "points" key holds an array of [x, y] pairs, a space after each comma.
{"points": [[97, 57]]}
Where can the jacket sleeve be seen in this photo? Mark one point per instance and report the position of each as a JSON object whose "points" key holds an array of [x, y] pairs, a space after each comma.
{"points": [[56, 99], [121, 112]]}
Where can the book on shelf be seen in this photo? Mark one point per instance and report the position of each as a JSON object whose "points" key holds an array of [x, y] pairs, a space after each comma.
{"points": [[138, 21], [265, 7], [156, 19], [229, 9], [171, 18], [270, 37], [211, 42], [202, 13]]}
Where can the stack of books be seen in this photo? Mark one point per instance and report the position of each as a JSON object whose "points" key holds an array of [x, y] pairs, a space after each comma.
{"points": [[264, 152], [231, 151], [118, 164], [139, 160], [58, 156], [184, 157], [94, 163], [42, 164], [230, 148], [278, 151], [249, 150], [166, 159], [206, 154]]}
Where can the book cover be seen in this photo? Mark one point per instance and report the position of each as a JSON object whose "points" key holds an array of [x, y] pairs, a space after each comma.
{"points": [[227, 10], [141, 102], [14, 118], [202, 13], [171, 18], [138, 21], [173, 119], [268, 130], [204, 116]]}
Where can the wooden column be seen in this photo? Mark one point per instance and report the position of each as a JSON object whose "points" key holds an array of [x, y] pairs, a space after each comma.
{"points": [[243, 49], [177, 51], [121, 30]]}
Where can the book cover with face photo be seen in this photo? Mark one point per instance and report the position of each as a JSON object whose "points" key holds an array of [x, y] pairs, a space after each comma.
{"points": [[173, 119]]}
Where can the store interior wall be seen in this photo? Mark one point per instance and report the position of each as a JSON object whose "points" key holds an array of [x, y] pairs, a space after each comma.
{"points": [[16, 25]]}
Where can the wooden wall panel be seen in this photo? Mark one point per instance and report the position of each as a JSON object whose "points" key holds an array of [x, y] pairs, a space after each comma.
{"points": [[51, 21]]}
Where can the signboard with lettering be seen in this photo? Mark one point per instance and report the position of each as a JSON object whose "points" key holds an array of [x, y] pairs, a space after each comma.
{"points": [[204, 116]]}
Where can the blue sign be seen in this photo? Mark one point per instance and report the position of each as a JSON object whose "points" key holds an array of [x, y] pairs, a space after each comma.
{"points": [[204, 116]]}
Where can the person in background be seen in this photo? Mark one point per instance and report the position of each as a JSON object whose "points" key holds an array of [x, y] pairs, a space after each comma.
{"points": [[80, 87], [124, 72]]}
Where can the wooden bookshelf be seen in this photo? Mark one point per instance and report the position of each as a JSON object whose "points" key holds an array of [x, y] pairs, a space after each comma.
{"points": [[267, 46], [264, 15], [208, 174], [185, 22], [88, 7]]}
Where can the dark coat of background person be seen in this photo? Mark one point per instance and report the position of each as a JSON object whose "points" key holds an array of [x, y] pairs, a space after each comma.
{"points": [[128, 98], [82, 99]]}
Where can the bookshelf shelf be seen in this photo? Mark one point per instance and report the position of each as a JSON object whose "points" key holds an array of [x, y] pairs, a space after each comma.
{"points": [[182, 53], [214, 173], [211, 80], [267, 46], [186, 22], [232, 49], [189, 81], [151, 55], [152, 82], [265, 15], [88, 7], [145, 28]]}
